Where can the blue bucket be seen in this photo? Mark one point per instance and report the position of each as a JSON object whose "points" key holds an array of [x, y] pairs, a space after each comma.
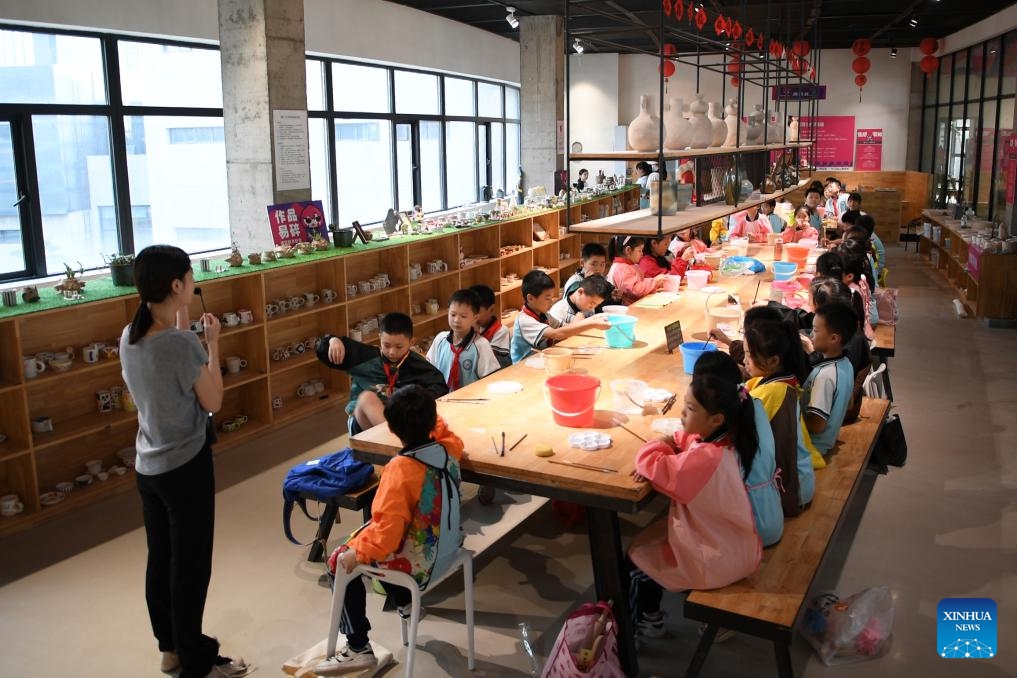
{"points": [[622, 333], [691, 350], [784, 270]]}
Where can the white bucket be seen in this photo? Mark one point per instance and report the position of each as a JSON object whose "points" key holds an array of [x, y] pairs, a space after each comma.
{"points": [[697, 279]]}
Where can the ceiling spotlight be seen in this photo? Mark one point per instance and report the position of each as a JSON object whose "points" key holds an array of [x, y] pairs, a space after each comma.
{"points": [[699, 7], [893, 52], [913, 21], [577, 46], [511, 18]]}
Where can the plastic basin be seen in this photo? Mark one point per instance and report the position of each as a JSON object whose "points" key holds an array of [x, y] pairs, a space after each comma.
{"points": [[572, 398], [697, 279], [691, 350], [784, 270], [622, 333]]}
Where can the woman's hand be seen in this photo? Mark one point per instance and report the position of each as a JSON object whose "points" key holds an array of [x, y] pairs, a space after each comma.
{"points": [[212, 327], [336, 350], [638, 478]]}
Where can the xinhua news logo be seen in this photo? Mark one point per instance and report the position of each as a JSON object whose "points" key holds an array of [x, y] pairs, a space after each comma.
{"points": [[966, 628]]}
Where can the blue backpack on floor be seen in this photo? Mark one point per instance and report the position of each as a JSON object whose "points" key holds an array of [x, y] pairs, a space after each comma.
{"points": [[322, 479]]}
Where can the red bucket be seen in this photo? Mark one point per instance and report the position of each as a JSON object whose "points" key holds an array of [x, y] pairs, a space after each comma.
{"points": [[572, 398]]}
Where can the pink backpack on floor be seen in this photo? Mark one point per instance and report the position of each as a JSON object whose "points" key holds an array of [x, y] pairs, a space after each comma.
{"points": [[885, 299], [586, 646]]}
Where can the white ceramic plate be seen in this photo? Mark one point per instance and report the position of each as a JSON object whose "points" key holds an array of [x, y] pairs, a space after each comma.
{"points": [[503, 387], [50, 498]]}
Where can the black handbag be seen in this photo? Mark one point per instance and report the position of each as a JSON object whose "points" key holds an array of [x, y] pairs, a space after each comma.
{"points": [[891, 446]]}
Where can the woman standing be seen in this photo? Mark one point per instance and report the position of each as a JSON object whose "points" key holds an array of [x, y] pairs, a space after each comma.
{"points": [[175, 384]]}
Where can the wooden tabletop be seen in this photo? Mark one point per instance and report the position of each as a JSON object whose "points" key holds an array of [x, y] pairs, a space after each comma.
{"points": [[526, 411], [885, 341], [775, 592]]}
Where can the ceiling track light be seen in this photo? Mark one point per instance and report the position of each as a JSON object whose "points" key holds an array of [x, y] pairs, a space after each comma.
{"points": [[893, 52], [913, 22], [578, 46], [511, 18]]}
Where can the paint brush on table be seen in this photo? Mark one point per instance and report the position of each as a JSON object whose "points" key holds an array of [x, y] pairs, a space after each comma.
{"points": [[516, 444], [633, 432], [601, 469]]}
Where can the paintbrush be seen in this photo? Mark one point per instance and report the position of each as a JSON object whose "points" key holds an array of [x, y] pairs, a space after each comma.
{"points": [[494, 445], [758, 282], [517, 442], [633, 432], [585, 466]]}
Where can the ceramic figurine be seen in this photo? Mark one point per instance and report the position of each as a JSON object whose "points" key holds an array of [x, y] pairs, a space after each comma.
{"points": [[731, 119], [677, 130], [719, 128], [792, 129], [702, 130], [644, 130]]}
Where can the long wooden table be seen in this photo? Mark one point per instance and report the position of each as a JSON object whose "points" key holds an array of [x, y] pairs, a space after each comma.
{"points": [[603, 494]]}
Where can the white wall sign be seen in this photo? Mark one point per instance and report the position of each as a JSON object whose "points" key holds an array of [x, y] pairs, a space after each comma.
{"points": [[292, 158]]}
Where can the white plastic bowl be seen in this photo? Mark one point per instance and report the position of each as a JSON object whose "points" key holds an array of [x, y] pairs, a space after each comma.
{"points": [[617, 309]]}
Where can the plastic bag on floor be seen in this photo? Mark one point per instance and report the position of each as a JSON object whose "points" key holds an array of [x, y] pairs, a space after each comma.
{"points": [[586, 646], [849, 630]]}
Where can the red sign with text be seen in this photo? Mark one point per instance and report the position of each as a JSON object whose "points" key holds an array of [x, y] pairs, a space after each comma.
{"points": [[833, 140], [294, 222], [1011, 168], [869, 150]]}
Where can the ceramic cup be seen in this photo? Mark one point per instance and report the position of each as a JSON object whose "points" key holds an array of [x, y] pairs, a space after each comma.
{"points": [[306, 390], [118, 396], [10, 505], [329, 295], [10, 297], [33, 366], [235, 363], [431, 306], [230, 319], [319, 385], [246, 316], [93, 466], [65, 486], [83, 480], [366, 286], [104, 401], [129, 404], [311, 298], [111, 352], [102, 475], [277, 402], [271, 310], [90, 354], [197, 326], [297, 302], [351, 291], [284, 305], [356, 334]]}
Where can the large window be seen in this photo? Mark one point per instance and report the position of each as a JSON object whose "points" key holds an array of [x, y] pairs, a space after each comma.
{"points": [[967, 113], [112, 143]]}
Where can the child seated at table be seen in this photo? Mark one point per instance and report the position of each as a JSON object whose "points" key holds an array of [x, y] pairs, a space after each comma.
{"points": [[375, 373], [800, 228], [827, 391], [751, 224], [777, 223], [828, 290], [625, 251], [856, 272], [489, 324], [760, 477], [594, 258], [533, 328], [708, 539], [658, 260], [582, 302], [462, 355], [866, 222], [414, 526], [777, 366]]}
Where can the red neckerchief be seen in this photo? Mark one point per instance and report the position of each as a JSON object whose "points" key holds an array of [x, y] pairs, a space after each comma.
{"points": [[542, 318], [392, 374], [453, 373], [492, 330]]}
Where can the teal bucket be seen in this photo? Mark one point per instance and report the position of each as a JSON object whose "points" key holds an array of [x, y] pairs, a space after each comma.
{"points": [[691, 350], [622, 333]]}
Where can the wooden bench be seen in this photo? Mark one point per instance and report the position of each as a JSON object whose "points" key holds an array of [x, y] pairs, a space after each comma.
{"points": [[770, 602], [884, 349], [361, 499]]}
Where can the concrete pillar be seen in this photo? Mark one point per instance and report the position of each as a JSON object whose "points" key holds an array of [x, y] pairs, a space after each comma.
{"points": [[542, 73], [262, 51]]}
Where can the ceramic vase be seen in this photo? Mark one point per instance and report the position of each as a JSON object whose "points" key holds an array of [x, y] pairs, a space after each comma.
{"points": [[719, 127], [731, 120], [644, 130], [752, 133], [702, 130], [774, 130], [792, 129], [677, 130], [732, 185]]}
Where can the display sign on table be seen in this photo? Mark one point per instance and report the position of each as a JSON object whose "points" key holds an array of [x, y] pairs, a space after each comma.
{"points": [[834, 140], [294, 222], [673, 335], [869, 150]]}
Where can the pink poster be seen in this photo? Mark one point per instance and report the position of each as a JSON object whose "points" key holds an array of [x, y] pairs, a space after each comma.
{"points": [[869, 150], [296, 222], [833, 140]]}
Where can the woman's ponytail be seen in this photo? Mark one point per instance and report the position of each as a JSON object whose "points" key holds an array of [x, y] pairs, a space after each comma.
{"points": [[141, 324]]}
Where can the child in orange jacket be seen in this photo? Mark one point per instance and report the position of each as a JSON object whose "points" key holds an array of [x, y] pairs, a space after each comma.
{"points": [[406, 531]]}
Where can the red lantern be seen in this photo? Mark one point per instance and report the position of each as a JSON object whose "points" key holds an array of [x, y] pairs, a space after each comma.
{"points": [[734, 67], [812, 73], [860, 80], [861, 46], [860, 65], [736, 30], [666, 69], [750, 37], [679, 8], [928, 45], [734, 81], [929, 64], [700, 17], [800, 48], [670, 49], [667, 7], [720, 25]]}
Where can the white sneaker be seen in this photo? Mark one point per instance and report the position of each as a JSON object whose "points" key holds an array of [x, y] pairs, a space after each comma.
{"points": [[347, 660], [225, 667]]}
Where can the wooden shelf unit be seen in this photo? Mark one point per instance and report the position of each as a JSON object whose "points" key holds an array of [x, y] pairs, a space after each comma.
{"points": [[985, 283], [32, 463]]}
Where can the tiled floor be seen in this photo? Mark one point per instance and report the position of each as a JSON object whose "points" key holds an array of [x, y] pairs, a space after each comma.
{"points": [[72, 601]]}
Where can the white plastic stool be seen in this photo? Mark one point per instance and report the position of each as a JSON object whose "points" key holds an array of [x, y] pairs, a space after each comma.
{"points": [[463, 559]]}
